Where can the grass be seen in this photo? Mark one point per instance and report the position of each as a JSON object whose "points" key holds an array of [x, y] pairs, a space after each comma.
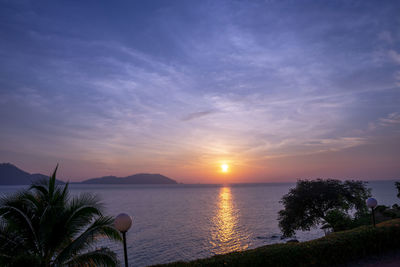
{"points": [[334, 249]]}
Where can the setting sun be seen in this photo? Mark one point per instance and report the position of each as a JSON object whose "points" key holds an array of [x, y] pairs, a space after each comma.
{"points": [[224, 167]]}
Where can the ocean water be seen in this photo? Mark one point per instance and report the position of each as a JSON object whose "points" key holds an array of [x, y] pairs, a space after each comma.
{"points": [[184, 222]]}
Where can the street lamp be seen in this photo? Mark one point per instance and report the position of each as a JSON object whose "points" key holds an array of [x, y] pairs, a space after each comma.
{"points": [[122, 223], [371, 203]]}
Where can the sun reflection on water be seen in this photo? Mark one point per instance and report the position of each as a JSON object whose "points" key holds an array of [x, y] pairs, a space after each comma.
{"points": [[227, 236]]}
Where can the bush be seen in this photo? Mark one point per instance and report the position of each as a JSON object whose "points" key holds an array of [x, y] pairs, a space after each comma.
{"points": [[333, 249], [391, 213], [338, 220], [381, 208]]}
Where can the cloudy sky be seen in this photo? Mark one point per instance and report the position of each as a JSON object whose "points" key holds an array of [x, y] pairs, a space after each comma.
{"points": [[279, 90]]}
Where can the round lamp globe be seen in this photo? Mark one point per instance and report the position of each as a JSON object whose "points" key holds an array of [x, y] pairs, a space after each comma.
{"points": [[371, 202], [123, 222]]}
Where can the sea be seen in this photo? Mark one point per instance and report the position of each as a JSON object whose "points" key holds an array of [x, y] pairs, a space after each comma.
{"points": [[185, 222]]}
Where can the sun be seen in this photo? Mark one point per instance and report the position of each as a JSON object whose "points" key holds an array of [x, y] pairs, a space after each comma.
{"points": [[224, 168]]}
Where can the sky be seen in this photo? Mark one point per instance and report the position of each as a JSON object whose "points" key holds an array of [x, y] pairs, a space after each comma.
{"points": [[278, 90]]}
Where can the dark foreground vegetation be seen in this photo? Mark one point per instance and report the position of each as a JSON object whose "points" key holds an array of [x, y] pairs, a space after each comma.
{"points": [[327, 202], [45, 226], [335, 205], [333, 249]]}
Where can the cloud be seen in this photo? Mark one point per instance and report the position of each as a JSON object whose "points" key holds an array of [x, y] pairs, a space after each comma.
{"points": [[386, 36], [251, 80], [394, 56], [391, 119], [196, 115], [397, 77]]}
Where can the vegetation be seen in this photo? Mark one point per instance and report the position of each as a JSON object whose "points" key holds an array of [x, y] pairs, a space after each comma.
{"points": [[45, 226], [384, 213], [397, 184], [322, 201], [340, 221], [334, 249]]}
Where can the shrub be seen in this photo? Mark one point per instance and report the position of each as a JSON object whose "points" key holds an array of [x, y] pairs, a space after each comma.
{"points": [[381, 208], [338, 220]]}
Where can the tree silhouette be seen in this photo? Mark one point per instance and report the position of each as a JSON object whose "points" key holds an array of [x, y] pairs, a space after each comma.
{"points": [[309, 203]]}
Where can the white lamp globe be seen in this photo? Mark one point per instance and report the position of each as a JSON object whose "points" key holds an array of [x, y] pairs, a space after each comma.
{"points": [[371, 202], [123, 222]]}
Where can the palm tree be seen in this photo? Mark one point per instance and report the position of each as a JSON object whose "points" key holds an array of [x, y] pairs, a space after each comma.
{"points": [[45, 226]]}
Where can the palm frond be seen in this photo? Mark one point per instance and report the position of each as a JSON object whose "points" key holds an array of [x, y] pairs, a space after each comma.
{"points": [[24, 223], [45, 226], [65, 192], [52, 182], [99, 257], [40, 188], [101, 227], [10, 241]]}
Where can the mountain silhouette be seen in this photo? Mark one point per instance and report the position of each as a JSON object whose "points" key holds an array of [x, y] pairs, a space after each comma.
{"points": [[12, 175], [140, 178]]}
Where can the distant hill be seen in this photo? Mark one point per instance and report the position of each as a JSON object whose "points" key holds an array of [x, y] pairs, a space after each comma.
{"points": [[141, 178], [11, 175]]}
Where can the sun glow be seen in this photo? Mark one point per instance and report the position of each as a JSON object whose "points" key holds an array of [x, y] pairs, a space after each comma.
{"points": [[224, 168]]}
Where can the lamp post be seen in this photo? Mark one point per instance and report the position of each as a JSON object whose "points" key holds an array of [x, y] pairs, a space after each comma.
{"points": [[122, 223], [371, 203]]}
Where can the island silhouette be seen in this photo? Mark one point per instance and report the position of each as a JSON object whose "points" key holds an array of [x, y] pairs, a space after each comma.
{"points": [[12, 175]]}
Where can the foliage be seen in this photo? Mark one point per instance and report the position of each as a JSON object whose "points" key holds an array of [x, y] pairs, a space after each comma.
{"points": [[381, 208], [332, 250], [45, 226], [384, 213], [397, 184], [337, 220], [309, 203]]}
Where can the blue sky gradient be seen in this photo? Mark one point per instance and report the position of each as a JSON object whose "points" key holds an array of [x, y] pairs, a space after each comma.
{"points": [[279, 90]]}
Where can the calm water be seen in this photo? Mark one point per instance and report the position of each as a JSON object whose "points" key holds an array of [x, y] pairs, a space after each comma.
{"points": [[183, 222]]}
